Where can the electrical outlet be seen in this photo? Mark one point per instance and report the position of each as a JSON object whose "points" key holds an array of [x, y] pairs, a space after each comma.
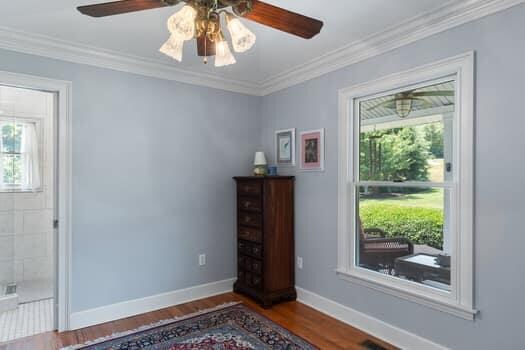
{"points": [[299, 263], [202, 259]]}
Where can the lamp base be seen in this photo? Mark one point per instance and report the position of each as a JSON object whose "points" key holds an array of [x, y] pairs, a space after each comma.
{"points": [[259, 170]]}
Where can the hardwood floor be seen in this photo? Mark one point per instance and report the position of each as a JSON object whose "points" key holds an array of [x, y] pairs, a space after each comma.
{"points": [[319, 329]]}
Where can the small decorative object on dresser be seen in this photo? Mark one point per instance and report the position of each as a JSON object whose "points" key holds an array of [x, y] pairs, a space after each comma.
{"points": [[260, 164], [265, 238]]}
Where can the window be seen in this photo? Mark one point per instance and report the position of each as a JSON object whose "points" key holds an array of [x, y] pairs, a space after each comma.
{"points": [[19, 156], [405, 185]]}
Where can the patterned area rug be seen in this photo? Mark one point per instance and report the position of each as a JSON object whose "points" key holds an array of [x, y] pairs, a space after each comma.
{"points": [[231, 327]]}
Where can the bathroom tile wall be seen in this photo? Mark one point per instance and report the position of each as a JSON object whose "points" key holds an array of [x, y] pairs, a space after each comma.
{"points": [[26, 219]]}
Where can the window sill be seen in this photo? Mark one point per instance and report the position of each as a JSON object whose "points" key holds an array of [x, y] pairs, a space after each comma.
{"points": [[19, 190], [440, 305]]}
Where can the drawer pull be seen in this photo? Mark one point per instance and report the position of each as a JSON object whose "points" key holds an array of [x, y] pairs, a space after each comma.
{"points": [[250, 234]]}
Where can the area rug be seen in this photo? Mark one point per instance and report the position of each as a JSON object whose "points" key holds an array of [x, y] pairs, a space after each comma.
{"points": [[227, 327]]}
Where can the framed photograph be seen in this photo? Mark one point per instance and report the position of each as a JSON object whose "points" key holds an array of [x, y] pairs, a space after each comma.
{"points": [[285, 147], [312, 150]]}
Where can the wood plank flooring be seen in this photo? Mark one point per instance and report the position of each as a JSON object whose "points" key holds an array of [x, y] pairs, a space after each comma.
{"points": [[319, 329]]}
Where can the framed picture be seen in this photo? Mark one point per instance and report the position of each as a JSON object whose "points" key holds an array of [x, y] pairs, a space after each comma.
{"points": [[285, 147], [312, 150]]}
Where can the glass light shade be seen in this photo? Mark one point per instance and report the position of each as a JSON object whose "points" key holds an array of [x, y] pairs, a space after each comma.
{"points": [[403, 107], [242, 38], [260, 159], [173, 47], [182, 23], [223, 55]]}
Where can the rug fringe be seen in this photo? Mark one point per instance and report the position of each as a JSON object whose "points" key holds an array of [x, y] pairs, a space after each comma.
{"points": [[150, 326]]}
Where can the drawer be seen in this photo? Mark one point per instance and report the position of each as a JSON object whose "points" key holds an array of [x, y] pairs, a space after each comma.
{"points": [[250, 188], [251, 249], [256, 266], [249, 219], [249, 234], [243, 262], [256, 250], [241, 276], [248, 278], [249, 264], [249, 203], [256, 281]]}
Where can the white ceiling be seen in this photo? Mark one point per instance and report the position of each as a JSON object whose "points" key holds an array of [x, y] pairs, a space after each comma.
{"points": [[141, 34]]}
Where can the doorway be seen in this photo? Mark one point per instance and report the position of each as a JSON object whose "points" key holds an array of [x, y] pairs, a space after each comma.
{"points": [[27, 212], [34, 205]]}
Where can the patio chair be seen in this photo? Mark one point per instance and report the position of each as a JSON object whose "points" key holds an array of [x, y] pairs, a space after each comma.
{"points": [[379, 252]]}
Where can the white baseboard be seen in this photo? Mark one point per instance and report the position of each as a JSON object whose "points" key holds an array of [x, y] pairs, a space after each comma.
{"points": [[373, 326], [129, 308]]}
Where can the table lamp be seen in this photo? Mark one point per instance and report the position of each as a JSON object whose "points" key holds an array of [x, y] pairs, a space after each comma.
{"points": [[260, 164]]}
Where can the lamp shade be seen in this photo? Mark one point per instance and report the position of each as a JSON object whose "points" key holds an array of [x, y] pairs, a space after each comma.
{"points": [[260, 159]]}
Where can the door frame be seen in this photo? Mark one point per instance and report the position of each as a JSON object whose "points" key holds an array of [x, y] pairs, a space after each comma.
{"points": [[63, 127]]}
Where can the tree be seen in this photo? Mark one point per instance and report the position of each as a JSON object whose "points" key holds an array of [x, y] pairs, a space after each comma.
{"points": [[399, 154], [434, 136]]}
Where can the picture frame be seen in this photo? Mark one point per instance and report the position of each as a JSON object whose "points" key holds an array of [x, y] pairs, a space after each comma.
{"points": [[312, 150], [285, 147]]}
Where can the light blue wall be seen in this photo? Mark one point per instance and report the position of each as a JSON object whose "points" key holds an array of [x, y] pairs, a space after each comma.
{"points": [[152, 187], [153, 160], [500, 173]]}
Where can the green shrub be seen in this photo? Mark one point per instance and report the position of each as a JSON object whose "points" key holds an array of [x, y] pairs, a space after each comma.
{"points": [[420, 225]]}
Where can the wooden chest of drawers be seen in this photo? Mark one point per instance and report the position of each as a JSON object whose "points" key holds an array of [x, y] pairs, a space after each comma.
{"points": [[265, 238]]}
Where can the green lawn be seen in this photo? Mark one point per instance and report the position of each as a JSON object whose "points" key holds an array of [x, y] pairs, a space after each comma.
{"points": [[429, 199]]}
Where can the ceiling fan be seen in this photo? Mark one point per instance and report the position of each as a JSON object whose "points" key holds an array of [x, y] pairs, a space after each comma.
{"points": [[201, 20], [405, 102]]}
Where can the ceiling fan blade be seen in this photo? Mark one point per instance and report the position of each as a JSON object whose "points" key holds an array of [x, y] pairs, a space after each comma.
{"points": [[284, 20], [420, 103], [433, 93], [390, 104], [123, 6]]}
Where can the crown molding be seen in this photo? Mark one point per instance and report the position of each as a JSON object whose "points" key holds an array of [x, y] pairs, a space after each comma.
{"points": [[446, 17], [40, 45]]}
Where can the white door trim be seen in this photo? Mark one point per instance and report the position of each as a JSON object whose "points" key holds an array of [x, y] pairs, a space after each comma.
{"points": [[64, 112]]}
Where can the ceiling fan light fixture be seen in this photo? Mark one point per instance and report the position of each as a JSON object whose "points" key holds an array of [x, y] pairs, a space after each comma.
{"points": [[182, 23], [173, 47], [403, 107], [223, 54], [242, 38]]}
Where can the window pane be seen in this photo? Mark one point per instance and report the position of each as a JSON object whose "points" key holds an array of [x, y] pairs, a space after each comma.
{"points": [[11, 138], [408, 136], [404, 232], [12, 169]]}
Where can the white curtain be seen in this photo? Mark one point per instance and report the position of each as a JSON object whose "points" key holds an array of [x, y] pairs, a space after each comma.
{"points": [[30, 158]]}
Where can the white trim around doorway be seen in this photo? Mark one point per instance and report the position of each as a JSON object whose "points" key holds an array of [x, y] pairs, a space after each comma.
{"points": [[63, 89]]}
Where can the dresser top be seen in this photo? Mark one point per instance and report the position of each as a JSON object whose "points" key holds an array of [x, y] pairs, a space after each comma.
{"points": [[237, 178]]}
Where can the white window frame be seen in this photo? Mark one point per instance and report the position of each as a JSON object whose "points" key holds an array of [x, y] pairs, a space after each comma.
{"points": [[17, 188], [459, 301]]}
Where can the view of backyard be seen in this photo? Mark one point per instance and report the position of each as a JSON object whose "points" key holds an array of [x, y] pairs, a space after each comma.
{"points": [[404, 154], [417, 216]]}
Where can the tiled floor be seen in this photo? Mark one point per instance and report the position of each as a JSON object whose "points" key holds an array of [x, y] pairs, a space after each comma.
{"points": [[34, 290], [28, 319]]}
